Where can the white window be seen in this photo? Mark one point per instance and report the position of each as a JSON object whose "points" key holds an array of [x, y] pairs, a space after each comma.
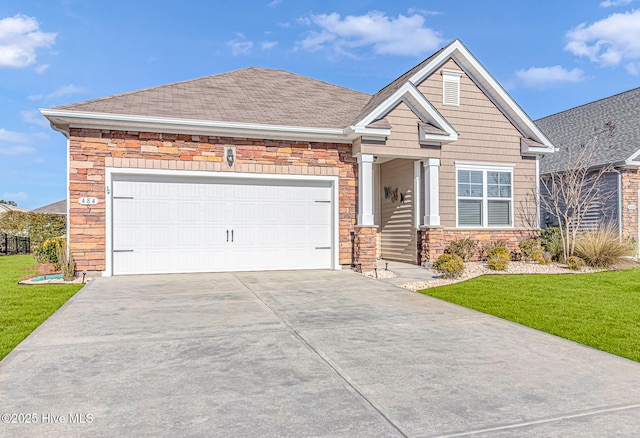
{"points": [[484, 196], [451, 87]]}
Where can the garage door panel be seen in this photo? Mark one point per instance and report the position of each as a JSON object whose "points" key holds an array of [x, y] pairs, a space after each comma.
{"points": [[189, 212], [184, 225]]}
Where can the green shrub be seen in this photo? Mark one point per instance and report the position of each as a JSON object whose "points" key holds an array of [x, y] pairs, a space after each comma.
{"points": [[541, 256], [528, 247], [485, 248], [551, 240], [47, 252], [575, 263], [464, 248], [449, 265], [602, 248], [498, 258], [38, 226]]}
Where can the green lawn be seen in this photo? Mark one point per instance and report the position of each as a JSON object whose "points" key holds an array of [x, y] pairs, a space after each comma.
{"points": [[601, 310], [23, 308]]}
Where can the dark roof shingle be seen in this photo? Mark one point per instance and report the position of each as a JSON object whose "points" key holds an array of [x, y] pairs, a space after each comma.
{"points": [[59, 207], [578, 126]]}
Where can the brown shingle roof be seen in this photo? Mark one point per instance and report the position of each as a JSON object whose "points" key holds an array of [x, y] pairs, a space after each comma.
{"points": [[430, 129], [387, 91], [250, 95], [59, 207]]}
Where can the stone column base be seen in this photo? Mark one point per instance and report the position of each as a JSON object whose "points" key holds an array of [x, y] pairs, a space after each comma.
{"points": [[365, 247], [430, 244]]}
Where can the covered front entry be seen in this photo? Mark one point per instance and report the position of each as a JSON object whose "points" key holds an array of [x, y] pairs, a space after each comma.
{"points": [[397, 210], [397, 197], [177, 224]]}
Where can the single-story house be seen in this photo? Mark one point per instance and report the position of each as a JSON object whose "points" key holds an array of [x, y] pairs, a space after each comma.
{"points": [[260, 169], [7, 207], [58, 207], [617, 150]]}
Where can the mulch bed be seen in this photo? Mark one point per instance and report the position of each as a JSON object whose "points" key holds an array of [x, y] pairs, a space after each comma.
{"points": [[42, 268]]}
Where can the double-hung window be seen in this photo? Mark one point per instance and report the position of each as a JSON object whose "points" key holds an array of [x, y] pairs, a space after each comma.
{"points": [[484, 195]]}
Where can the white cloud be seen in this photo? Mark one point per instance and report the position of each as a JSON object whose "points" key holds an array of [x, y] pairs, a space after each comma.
{"points": [[16, 150], [240, 47], [34, 117], [20, 37], [274, 3], [62, 91], [610, 41], [266, 45], [12, 136], [610, 3], [633, 68], [404, 35], [544, 77], [42, 68], [423, 12]]}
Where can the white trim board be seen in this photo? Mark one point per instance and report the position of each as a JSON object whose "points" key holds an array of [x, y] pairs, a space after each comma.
{"points": [[126, 122]]}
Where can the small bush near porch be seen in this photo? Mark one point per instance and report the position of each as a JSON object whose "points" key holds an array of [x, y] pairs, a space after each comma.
{"points": [[601, 310], [24, 308]]}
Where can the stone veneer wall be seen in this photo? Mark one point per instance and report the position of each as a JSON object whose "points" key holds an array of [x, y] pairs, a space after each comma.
{"points": [[433, 240], [630, 187], [93, 150], [365, 247]]}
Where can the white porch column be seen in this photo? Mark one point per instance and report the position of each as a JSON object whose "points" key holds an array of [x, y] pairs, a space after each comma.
{"points": [[431, 192], [365, 189]]}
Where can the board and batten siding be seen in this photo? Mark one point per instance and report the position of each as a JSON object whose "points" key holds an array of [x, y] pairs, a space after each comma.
{"points": [[397, 230], [601, 212], [484, 135]]}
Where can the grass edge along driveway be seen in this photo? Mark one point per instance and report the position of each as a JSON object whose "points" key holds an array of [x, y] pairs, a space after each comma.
{"points": [[601, 310], [24, 308]]}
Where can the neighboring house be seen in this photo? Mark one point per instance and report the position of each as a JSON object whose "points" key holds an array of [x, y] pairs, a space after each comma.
{"points": [[260, 169], [59, 207], [6, 207], [617, 150]]}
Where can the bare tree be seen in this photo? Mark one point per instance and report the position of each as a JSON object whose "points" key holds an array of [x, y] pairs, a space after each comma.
{"points": [[527, 208], [568, 193]]}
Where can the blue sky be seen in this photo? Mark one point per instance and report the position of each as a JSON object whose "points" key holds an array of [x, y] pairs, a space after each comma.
{"points": [[549, 55]]}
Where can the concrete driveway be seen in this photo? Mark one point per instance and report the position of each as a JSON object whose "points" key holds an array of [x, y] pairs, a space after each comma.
{"points": [[322, 353]]}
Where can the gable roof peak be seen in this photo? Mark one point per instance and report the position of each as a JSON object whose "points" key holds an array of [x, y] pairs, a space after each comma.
{"points": [[384, 101]]}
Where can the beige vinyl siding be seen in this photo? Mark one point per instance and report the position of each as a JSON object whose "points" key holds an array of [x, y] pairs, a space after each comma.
{"points": [[403, 141], [485, 135], [397, 230]]}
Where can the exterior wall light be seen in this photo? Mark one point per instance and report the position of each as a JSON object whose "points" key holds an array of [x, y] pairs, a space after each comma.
{"points": [[230, 157]]}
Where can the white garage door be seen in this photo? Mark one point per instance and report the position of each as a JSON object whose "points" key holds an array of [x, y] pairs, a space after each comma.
{"points": [[163, 225]]}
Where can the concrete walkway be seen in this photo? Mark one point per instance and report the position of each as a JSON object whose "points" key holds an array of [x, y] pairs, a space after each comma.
{"points": [[405, 272], [321, 353]]}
